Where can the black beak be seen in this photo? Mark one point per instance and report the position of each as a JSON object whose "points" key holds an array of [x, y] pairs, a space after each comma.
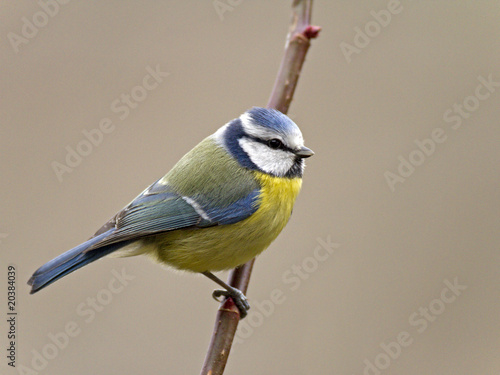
{"points": [[304, 152]]}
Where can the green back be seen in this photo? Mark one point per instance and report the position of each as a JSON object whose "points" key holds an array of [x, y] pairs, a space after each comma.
{"points": [[210, 174]]}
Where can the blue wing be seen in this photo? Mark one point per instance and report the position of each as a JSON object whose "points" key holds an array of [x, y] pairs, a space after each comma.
{"points": [[158, 209]]}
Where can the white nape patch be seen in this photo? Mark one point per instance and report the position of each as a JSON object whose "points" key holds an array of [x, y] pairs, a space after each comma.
{"points": [[276, 162], [196, 207], [219, 134], [293, 139]]}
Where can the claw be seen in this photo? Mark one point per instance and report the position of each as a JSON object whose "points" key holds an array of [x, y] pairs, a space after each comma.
{"points": [[238, 298], [219, 293]]}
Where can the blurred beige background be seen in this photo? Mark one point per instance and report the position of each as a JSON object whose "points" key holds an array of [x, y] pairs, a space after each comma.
{"points": [[415, 271]]}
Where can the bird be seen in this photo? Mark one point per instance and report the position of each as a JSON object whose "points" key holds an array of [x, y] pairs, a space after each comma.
{"points": [[220, 206]]}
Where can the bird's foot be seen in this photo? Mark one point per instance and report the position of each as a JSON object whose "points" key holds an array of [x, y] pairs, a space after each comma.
{"points": [[238, 298]]}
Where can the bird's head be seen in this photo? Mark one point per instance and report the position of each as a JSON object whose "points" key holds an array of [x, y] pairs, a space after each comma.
{"points": [[265, 140]]}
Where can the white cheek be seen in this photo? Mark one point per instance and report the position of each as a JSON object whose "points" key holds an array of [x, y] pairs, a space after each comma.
{"points": [[276, 162]]}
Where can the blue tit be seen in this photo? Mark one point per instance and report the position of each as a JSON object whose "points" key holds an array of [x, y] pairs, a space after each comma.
{"points": [[221, 205]]}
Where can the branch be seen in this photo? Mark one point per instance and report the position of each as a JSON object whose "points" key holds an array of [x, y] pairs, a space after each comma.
{"points": [[297, 44]]}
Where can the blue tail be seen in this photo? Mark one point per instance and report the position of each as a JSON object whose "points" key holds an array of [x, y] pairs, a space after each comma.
{"points": [[71, 261]]}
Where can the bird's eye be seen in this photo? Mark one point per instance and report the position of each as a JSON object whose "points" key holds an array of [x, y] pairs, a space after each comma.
{"points": [[275, 144]]}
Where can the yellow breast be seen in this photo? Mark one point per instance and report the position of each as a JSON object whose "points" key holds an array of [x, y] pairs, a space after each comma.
{"points": [[276, 200], [227, 246]]}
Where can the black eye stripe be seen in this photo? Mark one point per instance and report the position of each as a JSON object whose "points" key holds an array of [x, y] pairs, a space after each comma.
{"points": [[275, 144], [266, 142]]}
